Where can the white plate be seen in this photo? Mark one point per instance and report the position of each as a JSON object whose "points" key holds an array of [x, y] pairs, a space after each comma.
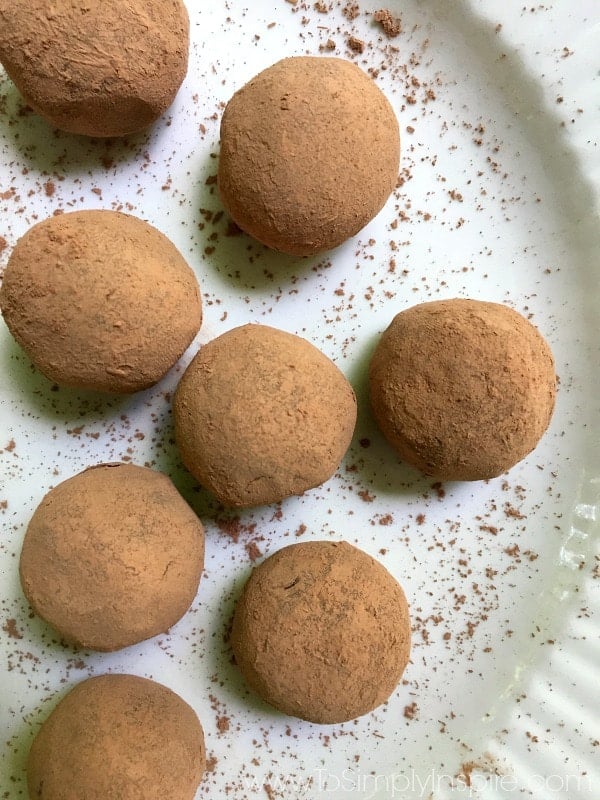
{"points": [[501, 692]]}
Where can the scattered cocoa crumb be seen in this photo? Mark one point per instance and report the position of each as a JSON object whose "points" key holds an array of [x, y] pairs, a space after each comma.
{"points": [[329, 45], [355, 44], [49, 188], [511, 511], [301, 530], [386, 520], [10, 446], [253, 551], [211, 763], [365, 496], [420, 519], [351, 11], [410, 711], [391, 25], [231, 527], [489, 529], [467, 770], [222, 724], [10, 628], [3, 244]]}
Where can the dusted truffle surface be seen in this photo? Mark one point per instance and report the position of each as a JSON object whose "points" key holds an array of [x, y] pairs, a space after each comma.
{"points": [[101, 69], [322, 632], [100, 300], [462, 389], [118, 736], [310, 150], [261, 414], [112, 556]]}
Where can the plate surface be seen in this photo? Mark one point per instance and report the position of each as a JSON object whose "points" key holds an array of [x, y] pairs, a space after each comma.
{"points": [[497, 200]]}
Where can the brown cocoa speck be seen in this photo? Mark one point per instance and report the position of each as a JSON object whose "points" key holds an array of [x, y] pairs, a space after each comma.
{"points": [[231, 527], [365, 496], [222, 724], [211, 763], [253, 551], [355, 44], [513, 512], [391, 25], [351, 11], [10, 628]]}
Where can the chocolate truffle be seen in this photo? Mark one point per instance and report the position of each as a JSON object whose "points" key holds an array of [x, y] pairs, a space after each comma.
{"points": [[322, 632], [462, 389], [310, 150], [101, 69], [261, 414], [112, 556], [100, 300], [118, 736]]}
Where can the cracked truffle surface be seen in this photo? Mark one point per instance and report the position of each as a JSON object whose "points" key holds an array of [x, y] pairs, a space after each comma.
{"points": [[100, 300], [462, 389], [112, 556], [261, 414], [322, 631], [118, 736], [106, 68], [310, 150]]}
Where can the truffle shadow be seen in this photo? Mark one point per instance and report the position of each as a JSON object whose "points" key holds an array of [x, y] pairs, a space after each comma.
{"points": [[376, 460], [48, 399], [168, 460], [50, 150], [221, 660], [20, 744], [234, 257]]}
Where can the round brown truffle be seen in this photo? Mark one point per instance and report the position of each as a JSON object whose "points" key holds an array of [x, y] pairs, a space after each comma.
{"points": [[112, 556], [310, 150], [101, 69], [118, 736], [100, 300], [261, 414], [462, 389], [322, 632]]}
